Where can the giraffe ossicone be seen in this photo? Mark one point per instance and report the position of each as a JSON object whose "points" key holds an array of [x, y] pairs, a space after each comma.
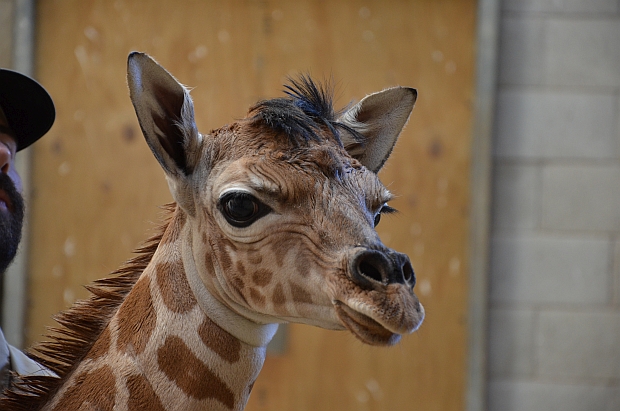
{"points": [[273, 221]]}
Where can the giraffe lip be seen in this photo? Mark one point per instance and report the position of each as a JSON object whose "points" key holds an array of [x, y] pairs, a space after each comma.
{"points": [[365, 328]]}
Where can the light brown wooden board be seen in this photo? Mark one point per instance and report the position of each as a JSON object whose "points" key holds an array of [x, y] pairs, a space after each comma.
{"points": [[97, 186]]}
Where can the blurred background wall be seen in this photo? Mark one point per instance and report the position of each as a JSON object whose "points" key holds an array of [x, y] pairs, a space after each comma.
{"points": [[96, 187], [554, 339], [6, 33], [17, 53]]}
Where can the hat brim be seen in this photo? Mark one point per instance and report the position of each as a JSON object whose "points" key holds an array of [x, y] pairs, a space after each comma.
{"points": [[27, 106]]}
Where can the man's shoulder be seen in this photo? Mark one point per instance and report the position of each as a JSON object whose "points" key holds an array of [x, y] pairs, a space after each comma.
{"points": [[13, 359], [5, 362], [24, 365]]}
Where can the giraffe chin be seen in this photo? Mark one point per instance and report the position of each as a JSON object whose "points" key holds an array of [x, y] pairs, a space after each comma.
{"points": [[365, 328]]}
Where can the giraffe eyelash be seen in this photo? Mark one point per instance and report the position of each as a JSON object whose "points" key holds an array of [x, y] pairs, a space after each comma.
{"points": [[386, 209]]}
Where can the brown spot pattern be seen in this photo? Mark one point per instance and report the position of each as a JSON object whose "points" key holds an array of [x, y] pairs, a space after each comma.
{"points": [[101, 346], [279, 249], [190, 374], [174, 288], [262, 277], [303, 263], [229, 245], [238, 282], [208, 259], [257, 297], [142, 396], [220, 341], [136, 318], [174, 228], [278, 295], [225, 260], [255, 258], [91, 390], [300, 295], [240, 268]]}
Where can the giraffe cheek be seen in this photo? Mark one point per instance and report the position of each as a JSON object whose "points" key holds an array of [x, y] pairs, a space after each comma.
{"points": [[303, 262], [300, 295]]}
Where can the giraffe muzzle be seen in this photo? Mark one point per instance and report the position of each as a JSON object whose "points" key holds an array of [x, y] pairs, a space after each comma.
{"points": [[370, 268]]}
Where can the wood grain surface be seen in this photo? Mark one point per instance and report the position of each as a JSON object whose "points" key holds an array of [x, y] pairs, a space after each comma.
{"points": [[97, 188]]}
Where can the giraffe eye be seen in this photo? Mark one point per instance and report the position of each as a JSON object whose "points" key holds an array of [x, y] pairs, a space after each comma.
{"points": [[377, 219], [242, 209], [386, 209]]}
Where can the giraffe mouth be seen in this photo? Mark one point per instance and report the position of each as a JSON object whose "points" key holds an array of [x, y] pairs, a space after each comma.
{"points": [[365, 328]]}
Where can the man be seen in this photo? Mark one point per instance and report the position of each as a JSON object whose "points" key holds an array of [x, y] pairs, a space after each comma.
{"points": [[26, 114]]}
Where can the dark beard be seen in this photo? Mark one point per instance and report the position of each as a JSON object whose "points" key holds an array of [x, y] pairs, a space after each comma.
{"points": [[11, 222]]}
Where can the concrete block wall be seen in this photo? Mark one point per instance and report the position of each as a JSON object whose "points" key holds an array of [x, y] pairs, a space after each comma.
{"points": [[554, 337]]}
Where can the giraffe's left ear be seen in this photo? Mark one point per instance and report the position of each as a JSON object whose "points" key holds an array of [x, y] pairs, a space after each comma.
{"points": [[166, 114], [379, 118]]}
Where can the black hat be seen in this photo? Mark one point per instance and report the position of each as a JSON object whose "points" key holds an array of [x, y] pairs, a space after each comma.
{"points": [[28, 108]]}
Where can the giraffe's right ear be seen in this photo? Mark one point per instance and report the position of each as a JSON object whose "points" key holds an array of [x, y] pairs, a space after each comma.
{"points": [[379, 118], [166, 115]]}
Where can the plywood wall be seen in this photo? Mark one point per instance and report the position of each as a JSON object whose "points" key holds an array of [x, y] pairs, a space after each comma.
{"points": [[97, 187]]}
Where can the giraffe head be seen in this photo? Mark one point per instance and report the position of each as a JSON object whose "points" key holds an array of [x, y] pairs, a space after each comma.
{"points": [[282, 205]]}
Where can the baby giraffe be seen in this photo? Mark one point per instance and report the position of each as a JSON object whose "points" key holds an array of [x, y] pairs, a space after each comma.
{"points": [[273, 221]]}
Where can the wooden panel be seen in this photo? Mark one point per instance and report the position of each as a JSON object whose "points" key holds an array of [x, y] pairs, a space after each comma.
{"points": [[97, 185]]}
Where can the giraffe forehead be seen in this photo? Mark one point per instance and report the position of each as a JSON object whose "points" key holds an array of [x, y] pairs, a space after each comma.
{"points": [[255, 158], [296, 178]]}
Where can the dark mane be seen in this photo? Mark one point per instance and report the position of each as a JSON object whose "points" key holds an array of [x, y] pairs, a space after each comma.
{"points": [[304, 113], [80, 326]]}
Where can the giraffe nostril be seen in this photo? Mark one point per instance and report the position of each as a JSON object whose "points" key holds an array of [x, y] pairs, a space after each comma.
{"points": [[371, 268], [370, 271], [409, 274], [403, 269]]}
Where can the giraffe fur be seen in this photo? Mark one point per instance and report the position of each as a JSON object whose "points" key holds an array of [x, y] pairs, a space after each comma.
{"points": [[273, 221]]}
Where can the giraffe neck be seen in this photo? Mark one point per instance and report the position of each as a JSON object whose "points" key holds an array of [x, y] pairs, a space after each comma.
{"points": [[171, 345], [250, 331]]}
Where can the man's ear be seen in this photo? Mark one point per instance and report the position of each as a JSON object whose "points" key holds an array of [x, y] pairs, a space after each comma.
{"points": [[379, 118], [166, 115]]}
